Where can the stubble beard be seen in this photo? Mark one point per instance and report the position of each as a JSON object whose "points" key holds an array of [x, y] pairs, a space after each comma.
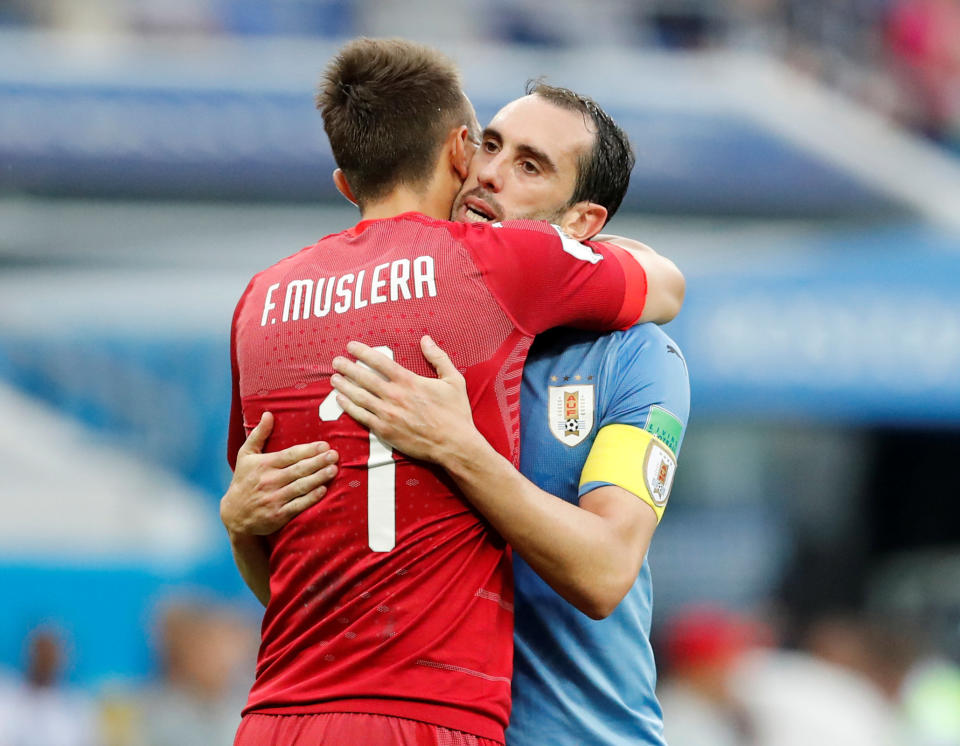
{"points": [[551, 215]]}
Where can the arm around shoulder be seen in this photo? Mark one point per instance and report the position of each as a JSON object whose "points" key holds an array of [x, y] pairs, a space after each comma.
{"points": [[666, 285]]}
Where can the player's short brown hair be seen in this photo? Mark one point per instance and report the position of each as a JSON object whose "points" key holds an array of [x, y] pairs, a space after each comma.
{"points": [[603, 174], [388, 106]]}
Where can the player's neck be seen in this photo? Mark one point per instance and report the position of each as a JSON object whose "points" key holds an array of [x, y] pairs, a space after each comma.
{"points": [[404, 200]]}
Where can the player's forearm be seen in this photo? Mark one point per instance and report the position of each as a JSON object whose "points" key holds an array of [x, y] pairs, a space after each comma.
{"points": [[666, 285], [253, 561], [572, 549]]}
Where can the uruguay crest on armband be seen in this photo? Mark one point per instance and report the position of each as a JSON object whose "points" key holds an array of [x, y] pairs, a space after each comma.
{"points": [[570, 412], [659, 467]]}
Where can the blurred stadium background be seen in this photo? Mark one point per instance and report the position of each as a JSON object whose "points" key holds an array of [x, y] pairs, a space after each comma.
{"points": [[799, 160]]}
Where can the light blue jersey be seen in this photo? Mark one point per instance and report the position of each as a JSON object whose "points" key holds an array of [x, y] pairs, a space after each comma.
{"points": [[577, 681]]}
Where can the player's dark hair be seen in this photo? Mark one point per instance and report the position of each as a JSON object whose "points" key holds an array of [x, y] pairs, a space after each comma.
{"points": [[603, 174], [388, 106]]}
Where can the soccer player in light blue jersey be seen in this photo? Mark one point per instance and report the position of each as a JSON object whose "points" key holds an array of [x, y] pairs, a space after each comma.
{"points": [[602, 420], [599, 413], [577, 680]]}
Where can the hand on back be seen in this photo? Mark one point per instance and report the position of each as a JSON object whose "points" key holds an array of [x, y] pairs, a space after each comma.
{"points": [[269, 489]]}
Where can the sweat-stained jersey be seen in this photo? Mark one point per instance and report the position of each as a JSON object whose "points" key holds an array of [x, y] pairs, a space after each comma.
{"points": [[391, 596], [577, 680]]}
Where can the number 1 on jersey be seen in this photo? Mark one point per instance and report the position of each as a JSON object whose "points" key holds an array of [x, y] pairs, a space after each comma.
{"points": [[381, 479]]}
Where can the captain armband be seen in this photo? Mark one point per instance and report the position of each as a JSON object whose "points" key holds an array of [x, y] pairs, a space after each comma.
{"points": [[635, 460]]}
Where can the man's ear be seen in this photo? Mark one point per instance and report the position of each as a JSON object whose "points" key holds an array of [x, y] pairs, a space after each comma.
{"points": [[584, 220], [340, 181], [461, 149]]}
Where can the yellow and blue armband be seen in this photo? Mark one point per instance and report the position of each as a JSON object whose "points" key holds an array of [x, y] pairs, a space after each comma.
{"points": [[635, 460]]}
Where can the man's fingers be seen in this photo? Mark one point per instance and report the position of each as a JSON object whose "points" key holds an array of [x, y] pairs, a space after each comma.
{"points": [[307, 484], [358, 413], [295, 507], [439, 359], [258, 436], [369, 420], [361, 375], [356, 394], [306, 467], [376, 361], [293, 454]]}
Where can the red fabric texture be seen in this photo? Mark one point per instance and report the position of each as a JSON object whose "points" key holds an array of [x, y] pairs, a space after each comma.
{"points": [[423, 630], [349, 729]]}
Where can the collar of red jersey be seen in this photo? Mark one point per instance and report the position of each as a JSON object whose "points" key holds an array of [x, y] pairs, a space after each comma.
{"points": [[364, 224]]}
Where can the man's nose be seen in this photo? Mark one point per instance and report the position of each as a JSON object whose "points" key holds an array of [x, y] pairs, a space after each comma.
{"points": [[490, 174]]}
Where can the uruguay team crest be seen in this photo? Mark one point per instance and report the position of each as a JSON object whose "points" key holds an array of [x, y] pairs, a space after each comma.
{"points": [[659, 466], [570, 413]]}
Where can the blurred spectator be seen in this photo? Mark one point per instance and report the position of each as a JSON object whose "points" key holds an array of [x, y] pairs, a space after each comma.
{"points": [[727, 686], [38, 709], [703, 647], [204, 651], [922, 688], [882, 654], [924, 37], [792, 698], [834, 32]]}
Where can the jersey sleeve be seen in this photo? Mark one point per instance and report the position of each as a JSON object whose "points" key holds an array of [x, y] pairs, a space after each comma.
{"points": [[544, 279], [236, 433], [643, 421]]}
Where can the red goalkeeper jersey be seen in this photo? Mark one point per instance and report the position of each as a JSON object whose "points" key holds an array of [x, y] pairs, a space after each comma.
{"points": [[391, 595]]}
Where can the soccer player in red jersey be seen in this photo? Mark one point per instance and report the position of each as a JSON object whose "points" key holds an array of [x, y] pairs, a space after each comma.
{"points": [[389, 615]]}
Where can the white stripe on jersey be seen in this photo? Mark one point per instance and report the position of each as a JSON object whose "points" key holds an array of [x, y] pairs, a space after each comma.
{"points": [[576, 249]]}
